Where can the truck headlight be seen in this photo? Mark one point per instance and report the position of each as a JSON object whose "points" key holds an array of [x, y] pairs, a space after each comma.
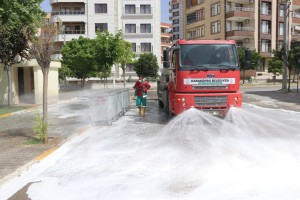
{"points": [[183, 99]]}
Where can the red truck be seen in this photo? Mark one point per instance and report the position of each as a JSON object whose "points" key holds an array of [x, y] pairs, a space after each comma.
{"points": [[201, 74]]}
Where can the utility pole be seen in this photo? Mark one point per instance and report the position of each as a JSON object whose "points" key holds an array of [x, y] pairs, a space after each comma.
{"points": [[285, 43]]}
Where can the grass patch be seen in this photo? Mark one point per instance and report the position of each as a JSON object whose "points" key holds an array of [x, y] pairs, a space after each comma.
{"points": [[6, 110], [32, 141]]}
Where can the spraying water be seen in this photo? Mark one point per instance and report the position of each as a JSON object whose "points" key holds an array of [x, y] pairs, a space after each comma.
{"points": [[195, 156]]}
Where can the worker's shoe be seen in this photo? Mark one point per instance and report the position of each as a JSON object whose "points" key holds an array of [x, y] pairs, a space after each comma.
{"points": [[140, 111], [143, 109]]}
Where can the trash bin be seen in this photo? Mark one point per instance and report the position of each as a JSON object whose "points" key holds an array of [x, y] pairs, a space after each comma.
{"points": [[250, 79]]}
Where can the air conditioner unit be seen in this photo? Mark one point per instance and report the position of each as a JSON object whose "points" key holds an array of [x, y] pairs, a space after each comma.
{"points": [[246, 21], [251, 1], [246, 40]]}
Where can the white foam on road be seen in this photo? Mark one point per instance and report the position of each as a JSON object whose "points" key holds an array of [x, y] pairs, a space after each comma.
{"points": [[248, 156]]}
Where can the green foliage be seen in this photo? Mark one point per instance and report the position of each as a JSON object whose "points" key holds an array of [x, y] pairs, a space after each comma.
{"points": [[32, 141], [106, 49], [255, 59], [124, 53], [78, 56], [294, 56], [64, 72], [40, 128], [147, 65], [275, 66]]}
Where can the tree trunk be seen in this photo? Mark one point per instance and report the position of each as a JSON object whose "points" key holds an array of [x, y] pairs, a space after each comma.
{"points": [[294, 75], [124, 81], [289, 83], [9, 82], [45, 102]]}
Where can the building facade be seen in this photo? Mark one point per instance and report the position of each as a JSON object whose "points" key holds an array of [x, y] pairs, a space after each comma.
{"points": [[256, 24], [166, 37], [176, 17], [138, 19]]}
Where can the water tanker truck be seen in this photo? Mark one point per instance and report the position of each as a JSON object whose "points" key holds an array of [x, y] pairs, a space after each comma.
{"points": [[201, 74]]}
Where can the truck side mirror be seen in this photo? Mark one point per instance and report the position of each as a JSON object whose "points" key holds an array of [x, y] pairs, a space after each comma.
{"points": [[247, 58], [166, 58]]}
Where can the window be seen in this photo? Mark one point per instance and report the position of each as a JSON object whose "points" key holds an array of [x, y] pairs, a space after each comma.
{"points": [[228, 7], [175, 36], [265, 8], [130, 28], [176, 29], [281, 28], [191, 3], [100, 8], [176, 21], [175, 13], [265, 27], [133, 47], [145, 9], [145, 47], [68, 30], [129, 67], [215, 9], [175, 6], [100, 27], [281, 10], [195, 16], [65, 11], [228, 26], [215, 27], [129, 9], [265, 45], [191, 34], [145, 28], [200, 31], [280, 45]]}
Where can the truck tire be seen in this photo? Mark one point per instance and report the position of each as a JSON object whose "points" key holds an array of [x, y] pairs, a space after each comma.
{"points": [[160, 103]]}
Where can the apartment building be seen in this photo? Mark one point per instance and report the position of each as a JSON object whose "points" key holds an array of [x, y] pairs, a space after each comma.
{"points": [[166, 37], [256, 24], [139, 20], [176, 17]]}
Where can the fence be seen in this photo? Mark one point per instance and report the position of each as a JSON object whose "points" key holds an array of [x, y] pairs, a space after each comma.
{"points": [[108, 106]]}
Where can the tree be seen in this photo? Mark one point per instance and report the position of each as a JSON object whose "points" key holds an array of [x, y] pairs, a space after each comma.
{"points": [[42, 49], [106, 53], [147, 65], [78, 56], [19, 21], [255, 58], [291, 61], [275, 67], [13, 46], [125, 55]]}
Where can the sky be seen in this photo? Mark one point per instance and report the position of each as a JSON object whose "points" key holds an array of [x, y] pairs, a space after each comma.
{"points": [[164, 9]]}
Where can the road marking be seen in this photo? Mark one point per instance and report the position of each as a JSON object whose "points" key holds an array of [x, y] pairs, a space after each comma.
{"points": [[46, 153], [6, 115]]}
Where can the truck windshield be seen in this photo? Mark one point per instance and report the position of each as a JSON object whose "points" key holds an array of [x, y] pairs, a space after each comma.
{"points": [[208, 56]]}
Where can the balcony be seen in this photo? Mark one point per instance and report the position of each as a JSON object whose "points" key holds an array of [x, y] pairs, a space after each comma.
{"points": [[57, 17], [68, 35], [296, 4], [240, 13], [67, 1], [296, 36], [138, 33], [166, 35], [140, 14], [296, 19], [238, 33]]}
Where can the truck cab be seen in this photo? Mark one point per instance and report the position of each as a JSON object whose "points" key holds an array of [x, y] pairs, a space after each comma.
{"points": [[201, 74]]}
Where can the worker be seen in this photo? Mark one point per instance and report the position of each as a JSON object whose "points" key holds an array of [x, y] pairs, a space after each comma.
{"points": [[141, 87], [217, 58]]}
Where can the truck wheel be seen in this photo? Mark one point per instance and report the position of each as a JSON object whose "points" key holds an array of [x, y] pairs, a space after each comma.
{"points": [[160, 104]]}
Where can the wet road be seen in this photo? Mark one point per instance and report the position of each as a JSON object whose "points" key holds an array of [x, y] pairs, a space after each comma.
{"points": [[129, 160]]}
